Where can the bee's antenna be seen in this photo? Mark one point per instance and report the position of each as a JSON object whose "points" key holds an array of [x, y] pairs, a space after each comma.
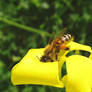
{"points": [[38, 57]]}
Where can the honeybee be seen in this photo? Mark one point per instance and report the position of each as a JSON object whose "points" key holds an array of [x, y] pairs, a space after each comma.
{"points": [[52, 50]]}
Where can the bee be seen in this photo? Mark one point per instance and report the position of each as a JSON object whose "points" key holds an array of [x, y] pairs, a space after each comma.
{"points": [[52, 50]]}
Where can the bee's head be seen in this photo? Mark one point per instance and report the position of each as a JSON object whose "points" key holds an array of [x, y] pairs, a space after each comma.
{"points": [[44, 58]]}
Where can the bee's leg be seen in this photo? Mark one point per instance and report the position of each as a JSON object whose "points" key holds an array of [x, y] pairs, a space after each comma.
{"points": [[51, 60], [56, 56], [67, 48]]}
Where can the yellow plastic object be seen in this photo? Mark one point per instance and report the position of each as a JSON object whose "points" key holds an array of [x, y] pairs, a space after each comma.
{"points": [[31, 71], [77, 46], [79, 74]]}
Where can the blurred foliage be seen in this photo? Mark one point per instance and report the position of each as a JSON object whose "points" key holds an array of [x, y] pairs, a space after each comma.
{"points": [[26, 24]]}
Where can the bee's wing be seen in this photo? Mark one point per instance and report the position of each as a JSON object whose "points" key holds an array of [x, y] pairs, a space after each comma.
{"points": [[57, 35], [61, 33]]}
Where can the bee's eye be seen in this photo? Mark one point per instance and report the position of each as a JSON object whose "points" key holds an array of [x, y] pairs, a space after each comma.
{"points": [[45, 58]]}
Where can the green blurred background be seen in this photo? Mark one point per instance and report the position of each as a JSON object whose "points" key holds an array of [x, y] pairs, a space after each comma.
{"points": [[26, 24]]}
